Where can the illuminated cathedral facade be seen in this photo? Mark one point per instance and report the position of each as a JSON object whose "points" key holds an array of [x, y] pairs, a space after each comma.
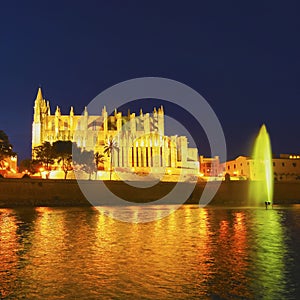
{"points": [[140, 141]]}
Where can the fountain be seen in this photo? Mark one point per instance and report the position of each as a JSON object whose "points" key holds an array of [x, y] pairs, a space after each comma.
{"points": [[262, 183]]}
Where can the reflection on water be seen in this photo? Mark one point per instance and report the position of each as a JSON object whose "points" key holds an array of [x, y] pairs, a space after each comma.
{"points": [[207, 253]]}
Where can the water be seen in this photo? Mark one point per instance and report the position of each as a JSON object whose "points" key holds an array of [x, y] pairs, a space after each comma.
{"points": [[207, 253], [262, 170]]}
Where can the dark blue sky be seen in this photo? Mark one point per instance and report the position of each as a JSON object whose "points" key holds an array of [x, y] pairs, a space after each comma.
{"points": [[242, 57]]}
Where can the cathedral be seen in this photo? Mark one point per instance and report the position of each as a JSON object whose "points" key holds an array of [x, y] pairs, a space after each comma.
{"points": [[140, 141]]}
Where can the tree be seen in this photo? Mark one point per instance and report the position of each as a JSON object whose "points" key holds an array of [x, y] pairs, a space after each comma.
{"points": [[99, 159], [109, 149], [63, 153], [86, 162], [5, 148], [30, 165], [45, 155]]}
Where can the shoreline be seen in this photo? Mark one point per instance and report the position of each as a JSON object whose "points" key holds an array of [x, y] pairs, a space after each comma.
{"points": [[57, 192]]}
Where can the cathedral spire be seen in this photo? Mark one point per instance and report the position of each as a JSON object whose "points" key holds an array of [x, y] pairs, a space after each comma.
{"points": [[57, 112], [85, 113], [72, 111], [39, 96]]}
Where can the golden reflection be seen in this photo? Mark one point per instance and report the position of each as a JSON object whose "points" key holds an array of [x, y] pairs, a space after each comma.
{"points": [[239, 251], [135, 211], [170, 223], [161, 223], [159, 214], [203, 218], [171, 217], [228, 253], [101, 220], [8, 254], [43, 209], [48, 246], [199, 227], [106, 211], [240, 233], [224, 229], [239, 221], [203, 229], [188, 213]]}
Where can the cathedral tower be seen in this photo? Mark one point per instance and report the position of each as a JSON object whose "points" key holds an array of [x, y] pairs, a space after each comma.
{"points": [[41, 108]]}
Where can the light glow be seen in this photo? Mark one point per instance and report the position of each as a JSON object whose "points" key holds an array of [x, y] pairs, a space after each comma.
{"points": [[261, 189]]}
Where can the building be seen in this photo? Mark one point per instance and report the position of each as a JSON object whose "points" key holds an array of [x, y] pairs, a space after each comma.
{"points": [[210, 166], [239, 168], [140, 141], [285, 167]]}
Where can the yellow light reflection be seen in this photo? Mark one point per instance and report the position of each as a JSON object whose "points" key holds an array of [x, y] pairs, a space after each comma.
{"points": [[8, 254]]}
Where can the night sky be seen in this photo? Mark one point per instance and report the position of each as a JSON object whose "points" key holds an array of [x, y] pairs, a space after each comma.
{"points": [[243, 58]]}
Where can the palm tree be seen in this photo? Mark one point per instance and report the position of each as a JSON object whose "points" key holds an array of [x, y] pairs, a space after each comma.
{"points": [[109, 149], [99, 158]]}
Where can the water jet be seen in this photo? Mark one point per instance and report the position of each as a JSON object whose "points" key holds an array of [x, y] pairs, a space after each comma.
{"points": [[262, 181]]}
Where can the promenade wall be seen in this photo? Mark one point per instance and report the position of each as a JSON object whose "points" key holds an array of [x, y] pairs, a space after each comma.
{"points": [[39, 192]]}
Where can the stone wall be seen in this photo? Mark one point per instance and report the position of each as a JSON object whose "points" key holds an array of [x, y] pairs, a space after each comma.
{"points": [[37, 192]]}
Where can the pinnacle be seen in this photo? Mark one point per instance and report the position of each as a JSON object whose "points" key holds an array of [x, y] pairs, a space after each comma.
{"points": [[39, 95]]}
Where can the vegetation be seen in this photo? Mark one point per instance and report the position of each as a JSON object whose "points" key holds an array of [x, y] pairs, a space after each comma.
{"points": [[99, 159], [86, 161], [63, 153], [6, 148], [66, 153], [109, 149], [31, 166], [45, 154]]}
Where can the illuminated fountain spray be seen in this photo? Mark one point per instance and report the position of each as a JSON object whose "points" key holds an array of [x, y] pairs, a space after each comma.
{"points": [[261, 186]]}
